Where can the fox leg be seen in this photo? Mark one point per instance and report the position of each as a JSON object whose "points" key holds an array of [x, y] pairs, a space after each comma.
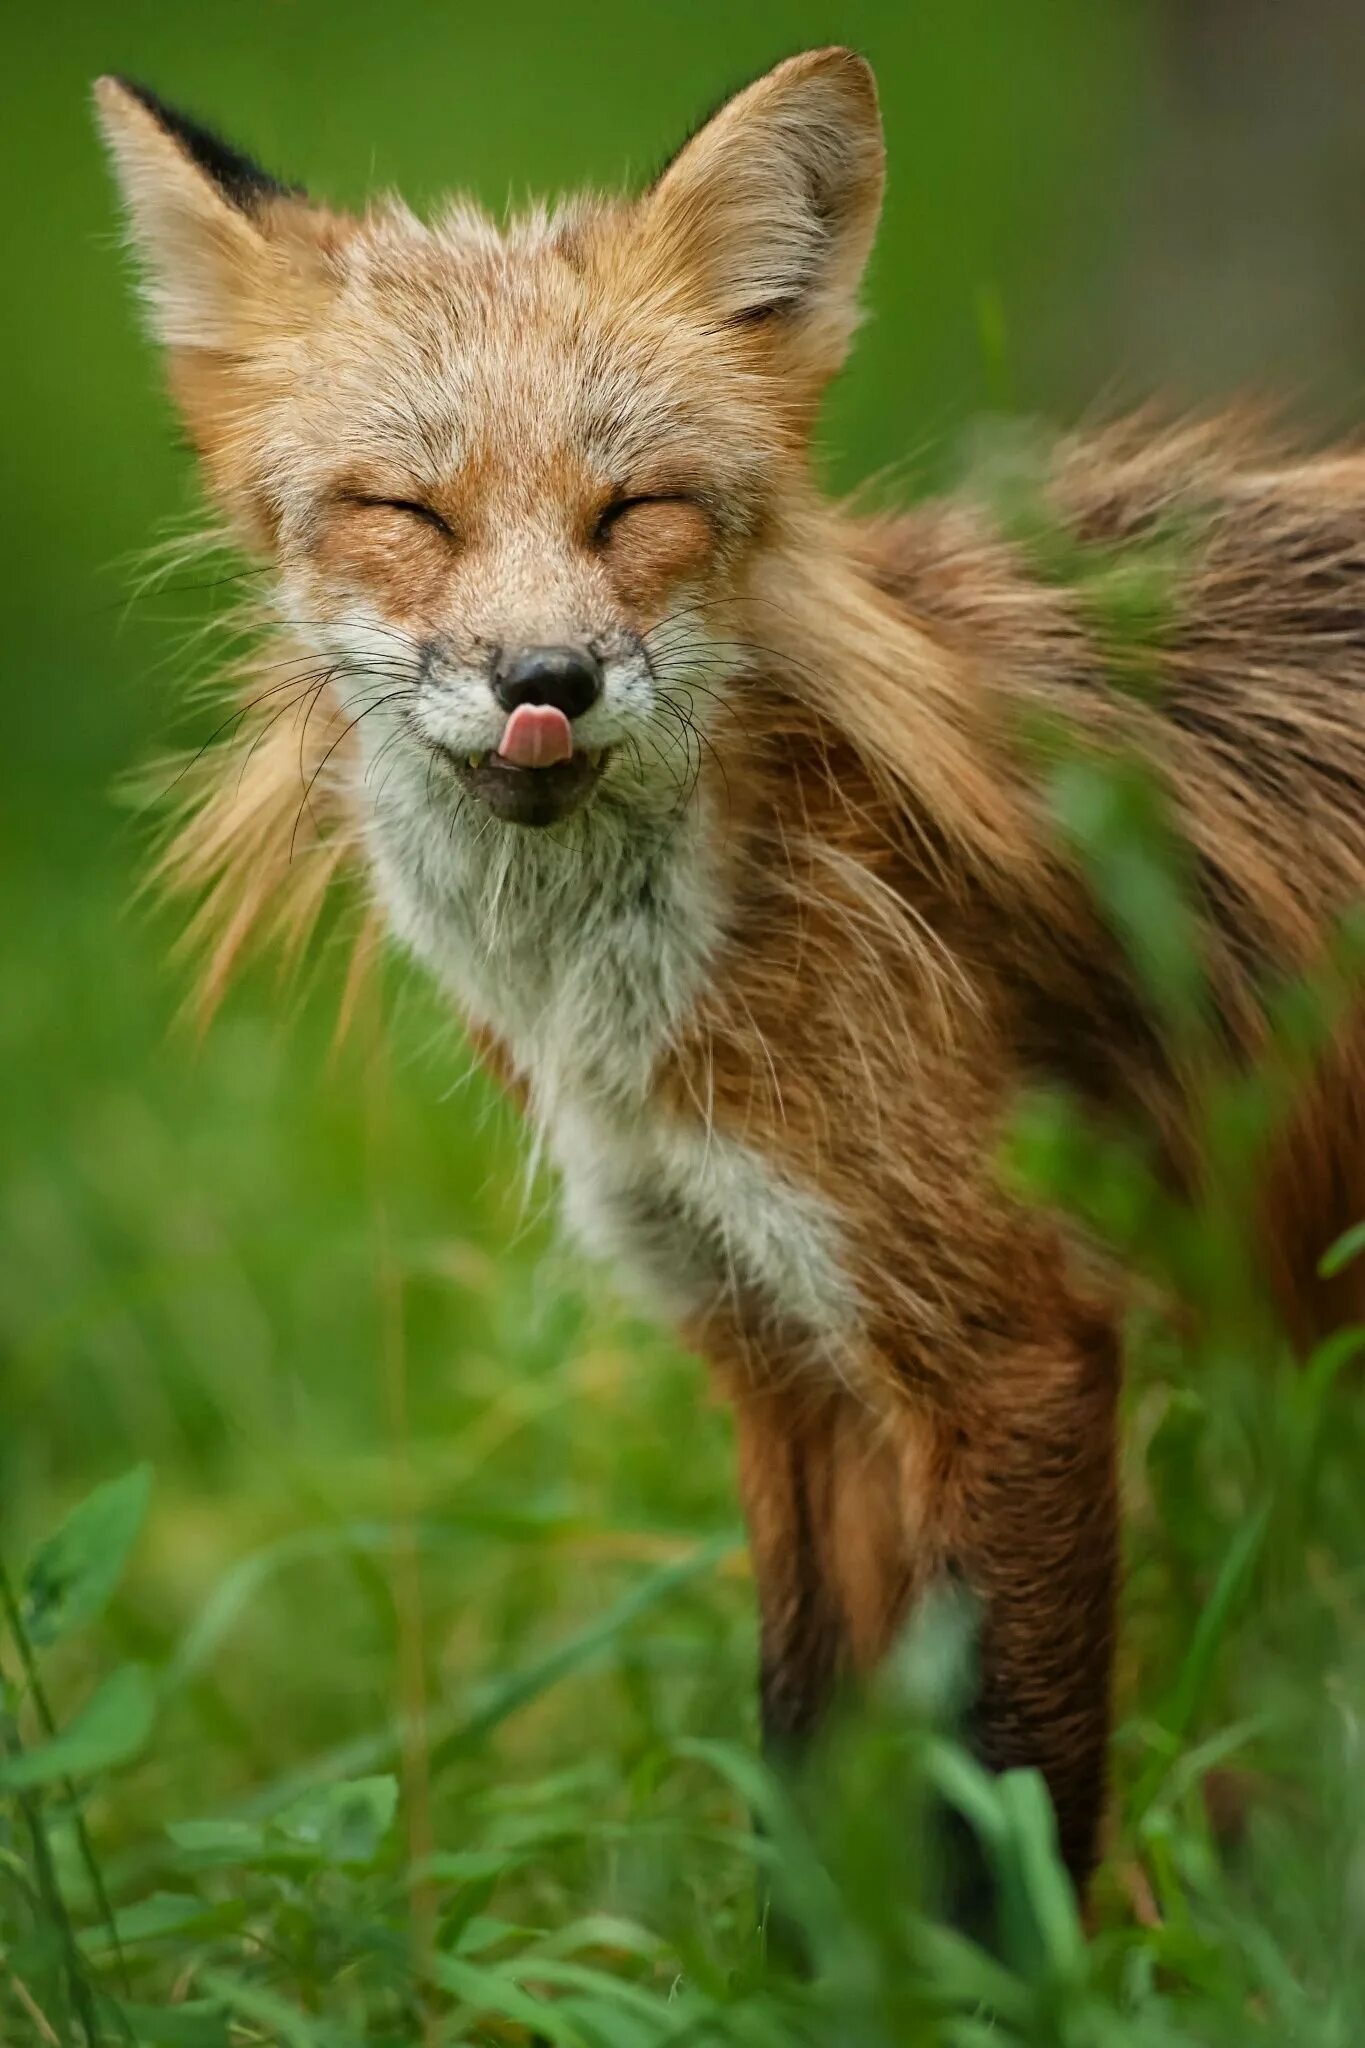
{"points": [[824, 1498], [1036, 1511], [852, 1519]]}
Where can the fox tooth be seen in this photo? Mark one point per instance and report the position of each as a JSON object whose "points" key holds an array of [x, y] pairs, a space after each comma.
{"points": [[474, 760]]}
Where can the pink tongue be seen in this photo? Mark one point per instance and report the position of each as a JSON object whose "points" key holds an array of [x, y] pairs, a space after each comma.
{"points": [[536, 736]]}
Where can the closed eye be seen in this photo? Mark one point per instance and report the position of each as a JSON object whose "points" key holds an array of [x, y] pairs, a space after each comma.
{"points": [[620, 506], [414, 508]]}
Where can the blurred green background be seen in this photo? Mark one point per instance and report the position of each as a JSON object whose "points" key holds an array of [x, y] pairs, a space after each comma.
{"points": [[305, 1283]]}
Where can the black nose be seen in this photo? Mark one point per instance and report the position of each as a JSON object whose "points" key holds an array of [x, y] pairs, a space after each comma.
{"points": [[568, 678]]}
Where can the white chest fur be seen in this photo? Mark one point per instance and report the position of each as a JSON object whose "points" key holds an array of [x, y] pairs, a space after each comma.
{"points": [[585, 955], [694, 1220]]}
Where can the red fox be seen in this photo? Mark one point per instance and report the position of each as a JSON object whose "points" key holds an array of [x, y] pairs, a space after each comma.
{"points": [[702, 798]]}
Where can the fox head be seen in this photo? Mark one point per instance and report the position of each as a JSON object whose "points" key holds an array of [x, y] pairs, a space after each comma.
{"points": [[511, 481]]}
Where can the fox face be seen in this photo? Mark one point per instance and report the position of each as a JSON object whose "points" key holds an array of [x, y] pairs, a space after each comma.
{"points": [[512, 481]]}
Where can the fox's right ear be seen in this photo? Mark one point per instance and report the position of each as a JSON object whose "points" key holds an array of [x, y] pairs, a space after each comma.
{"points": [[229, 255], [235, 267]]}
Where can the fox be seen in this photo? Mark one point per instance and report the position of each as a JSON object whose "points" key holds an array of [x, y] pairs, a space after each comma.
{"points": [[702, 798]]}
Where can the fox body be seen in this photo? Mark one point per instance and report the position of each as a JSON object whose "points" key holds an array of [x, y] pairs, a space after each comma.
{"points": [[703, 798]]}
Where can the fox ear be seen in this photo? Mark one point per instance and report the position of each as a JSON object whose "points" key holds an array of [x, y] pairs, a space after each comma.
{"points": [[224, 246], [772, 206]]}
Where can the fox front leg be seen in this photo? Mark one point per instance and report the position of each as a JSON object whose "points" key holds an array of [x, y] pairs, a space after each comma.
{"points": [[853, 1519]]}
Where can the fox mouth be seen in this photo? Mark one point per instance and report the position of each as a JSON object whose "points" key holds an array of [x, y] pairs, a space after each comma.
{"points": [[530, 796]]}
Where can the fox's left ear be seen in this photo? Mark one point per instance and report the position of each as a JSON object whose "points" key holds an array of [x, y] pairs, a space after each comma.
{"points": [[771, 208]]}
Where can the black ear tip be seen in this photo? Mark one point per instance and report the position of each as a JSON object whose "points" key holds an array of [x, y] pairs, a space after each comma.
{"points": [[238, 177], [135, 90]]}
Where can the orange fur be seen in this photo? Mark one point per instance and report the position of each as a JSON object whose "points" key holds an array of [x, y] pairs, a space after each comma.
{"points": [[596, 422]]}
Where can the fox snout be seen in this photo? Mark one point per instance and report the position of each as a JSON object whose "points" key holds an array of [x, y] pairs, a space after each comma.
{"points": [[540, 769], [542, 689], [566, 679]]}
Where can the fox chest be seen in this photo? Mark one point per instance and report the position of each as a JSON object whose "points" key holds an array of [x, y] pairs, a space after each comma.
{"points": [[584, 972], [695, 1222]]}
